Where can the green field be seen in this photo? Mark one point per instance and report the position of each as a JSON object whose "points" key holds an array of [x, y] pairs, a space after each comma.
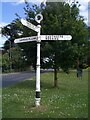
{"points": [[68, 100], [0, 103]]}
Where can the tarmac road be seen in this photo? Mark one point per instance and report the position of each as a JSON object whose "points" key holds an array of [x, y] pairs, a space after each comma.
{"points": [[13, 78]]}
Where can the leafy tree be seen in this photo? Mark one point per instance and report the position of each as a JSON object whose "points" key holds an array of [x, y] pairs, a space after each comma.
{"points": [[18, 58], [59, 19], [16, 61], [5, 62]]}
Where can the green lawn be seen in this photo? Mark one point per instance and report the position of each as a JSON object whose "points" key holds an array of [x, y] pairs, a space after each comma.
{"points": [[0, 103], [69, 100]]}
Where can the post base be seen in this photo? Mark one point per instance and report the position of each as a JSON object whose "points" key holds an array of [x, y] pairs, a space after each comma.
{"points": [[37, 103]]}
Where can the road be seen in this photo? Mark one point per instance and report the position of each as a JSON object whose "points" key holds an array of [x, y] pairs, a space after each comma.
{"points": [[13, 78]]}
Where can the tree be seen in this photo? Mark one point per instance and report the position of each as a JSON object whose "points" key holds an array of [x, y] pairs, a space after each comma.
{"points": [[17, 61], [5, 62], [59, 19]]}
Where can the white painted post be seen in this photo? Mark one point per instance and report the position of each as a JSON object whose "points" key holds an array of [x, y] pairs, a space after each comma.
{"points": [[38, 70], [38, 19]]}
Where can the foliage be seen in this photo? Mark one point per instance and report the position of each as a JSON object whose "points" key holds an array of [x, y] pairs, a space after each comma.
{"points": [[65, 19], [59, 19], [13, 58], [5, 61], [18, 58]]}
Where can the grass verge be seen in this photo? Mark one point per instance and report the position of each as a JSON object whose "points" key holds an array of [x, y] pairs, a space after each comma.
{"points": [[68, 100]]}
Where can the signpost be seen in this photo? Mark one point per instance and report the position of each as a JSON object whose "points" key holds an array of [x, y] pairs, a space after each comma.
{"points": [[26, 39], [56, 37], [43, 37], [38, 38], [37, 28], [29, 25]]}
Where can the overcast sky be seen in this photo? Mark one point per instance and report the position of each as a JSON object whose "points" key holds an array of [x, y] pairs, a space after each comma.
{"points": [[8, 8]]}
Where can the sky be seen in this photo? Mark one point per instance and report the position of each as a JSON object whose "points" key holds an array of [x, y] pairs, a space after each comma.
{"points": [[8, 8]]}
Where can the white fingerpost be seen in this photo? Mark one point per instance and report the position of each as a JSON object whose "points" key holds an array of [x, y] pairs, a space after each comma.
{"points": [[38, 69], [38, 38], [37, 28]]}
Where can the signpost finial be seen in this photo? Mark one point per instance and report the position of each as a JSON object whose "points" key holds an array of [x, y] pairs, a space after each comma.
{"points": [[38, 18]]}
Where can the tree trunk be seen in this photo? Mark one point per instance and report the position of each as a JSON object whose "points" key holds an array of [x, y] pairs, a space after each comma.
{"points": [[55, 77], [55, 72]]}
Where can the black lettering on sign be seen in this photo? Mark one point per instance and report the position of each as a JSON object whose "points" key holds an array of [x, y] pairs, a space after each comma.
{"points": [[55, 37], [46, 37], [61, 36]]}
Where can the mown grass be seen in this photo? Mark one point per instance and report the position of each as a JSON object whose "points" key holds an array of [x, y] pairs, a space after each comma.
{"points": [[0, 103], [68, 100]]}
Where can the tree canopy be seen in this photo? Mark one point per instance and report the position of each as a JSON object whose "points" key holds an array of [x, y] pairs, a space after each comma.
{"points": [[59, 19]]}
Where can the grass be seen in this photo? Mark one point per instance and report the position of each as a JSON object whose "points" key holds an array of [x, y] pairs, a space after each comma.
{"points": [[68, 100], [0, 103]]}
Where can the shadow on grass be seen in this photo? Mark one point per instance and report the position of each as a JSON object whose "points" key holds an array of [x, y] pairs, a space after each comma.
{"points": [[28, 84], [47, 85], [31, 84]]}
